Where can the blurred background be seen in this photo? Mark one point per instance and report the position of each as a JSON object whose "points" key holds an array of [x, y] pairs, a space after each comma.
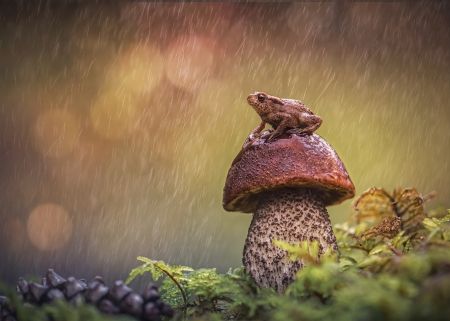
{"points": [[119, 121]]}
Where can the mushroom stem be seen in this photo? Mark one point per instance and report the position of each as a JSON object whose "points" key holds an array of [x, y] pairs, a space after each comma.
{"points": [[291, 215]]}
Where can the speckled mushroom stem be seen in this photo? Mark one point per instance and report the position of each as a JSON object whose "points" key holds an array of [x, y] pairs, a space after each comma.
{"points": [[291, 215]]}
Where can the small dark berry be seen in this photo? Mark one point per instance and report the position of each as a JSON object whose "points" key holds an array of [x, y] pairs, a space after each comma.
{"points": [[151, 312], [159, 303], [37, 291], [72, 287], [55, 280], [167, 310], [132, 305], [54, 294], [119, 291], [96, 291], [99, 279], [4, 313], [4, 302], [22, 286], [106, 306], [151, 293], [83, 282]]}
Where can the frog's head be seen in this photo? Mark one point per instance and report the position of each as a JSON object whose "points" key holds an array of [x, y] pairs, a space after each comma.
{"points": [[262, 102]]}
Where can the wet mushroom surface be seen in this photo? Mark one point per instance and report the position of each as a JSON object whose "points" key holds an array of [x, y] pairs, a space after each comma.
{"points": [[287, 184]]}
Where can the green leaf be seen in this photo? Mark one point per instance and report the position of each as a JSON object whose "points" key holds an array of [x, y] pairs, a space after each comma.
{"points": [[446, 218], [371, 260], [431, 223], [399, 239], [350, 259], [378, 249], [145, 260]]}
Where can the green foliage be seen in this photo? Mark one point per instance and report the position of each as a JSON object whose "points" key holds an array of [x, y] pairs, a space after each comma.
{"points": [[394, 265], [157, 269]]}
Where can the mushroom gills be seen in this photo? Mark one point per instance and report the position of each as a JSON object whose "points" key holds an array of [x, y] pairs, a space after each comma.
{"points": [[288, 214]]}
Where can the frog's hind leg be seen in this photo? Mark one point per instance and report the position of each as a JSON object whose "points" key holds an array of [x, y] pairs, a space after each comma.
{"points": [[315, 122]]}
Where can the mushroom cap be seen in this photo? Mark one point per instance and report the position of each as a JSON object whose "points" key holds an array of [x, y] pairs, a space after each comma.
{"points": [[296, 162]]}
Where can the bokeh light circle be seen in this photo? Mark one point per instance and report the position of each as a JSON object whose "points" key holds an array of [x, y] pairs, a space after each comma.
{"points": [[188, 62], [115, 115], [49, 227], [139, 70], [55, 133]]}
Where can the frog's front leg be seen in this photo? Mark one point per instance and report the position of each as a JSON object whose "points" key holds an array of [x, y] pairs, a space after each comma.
{"points": [[257, 130], [280, 128], [254, 135]]}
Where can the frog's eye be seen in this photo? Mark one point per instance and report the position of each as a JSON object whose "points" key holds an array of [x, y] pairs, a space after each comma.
{"points": [[261, 98]]}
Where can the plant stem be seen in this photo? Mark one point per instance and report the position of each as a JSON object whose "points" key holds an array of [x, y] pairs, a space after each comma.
{"points": [[176, 282]]}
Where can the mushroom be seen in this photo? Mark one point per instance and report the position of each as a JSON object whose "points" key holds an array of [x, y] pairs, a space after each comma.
{"points": [[286, 183]]}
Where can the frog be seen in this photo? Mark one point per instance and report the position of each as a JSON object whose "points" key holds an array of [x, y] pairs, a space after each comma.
{"points": [[282, 114]]}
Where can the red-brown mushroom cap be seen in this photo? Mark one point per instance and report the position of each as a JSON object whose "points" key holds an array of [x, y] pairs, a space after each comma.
{"points": [[299, 161]]}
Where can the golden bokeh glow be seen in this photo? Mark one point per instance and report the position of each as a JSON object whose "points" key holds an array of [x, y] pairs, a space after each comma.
{"points": [[115, 115], [55, 133], [188, 62], [139, 71], [49, 227]]}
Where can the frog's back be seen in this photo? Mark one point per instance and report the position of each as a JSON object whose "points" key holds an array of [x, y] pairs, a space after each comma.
{"points": [[297, 105]]}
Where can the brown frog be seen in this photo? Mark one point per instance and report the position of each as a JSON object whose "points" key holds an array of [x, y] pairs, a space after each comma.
{"points": [[282, 114]]}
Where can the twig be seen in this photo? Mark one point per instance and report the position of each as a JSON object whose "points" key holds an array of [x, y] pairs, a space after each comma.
{"points": [[394, 250]]}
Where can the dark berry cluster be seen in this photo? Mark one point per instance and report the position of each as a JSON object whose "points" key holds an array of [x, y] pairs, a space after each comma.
{"points": [[6, 310], [119, 299]]}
